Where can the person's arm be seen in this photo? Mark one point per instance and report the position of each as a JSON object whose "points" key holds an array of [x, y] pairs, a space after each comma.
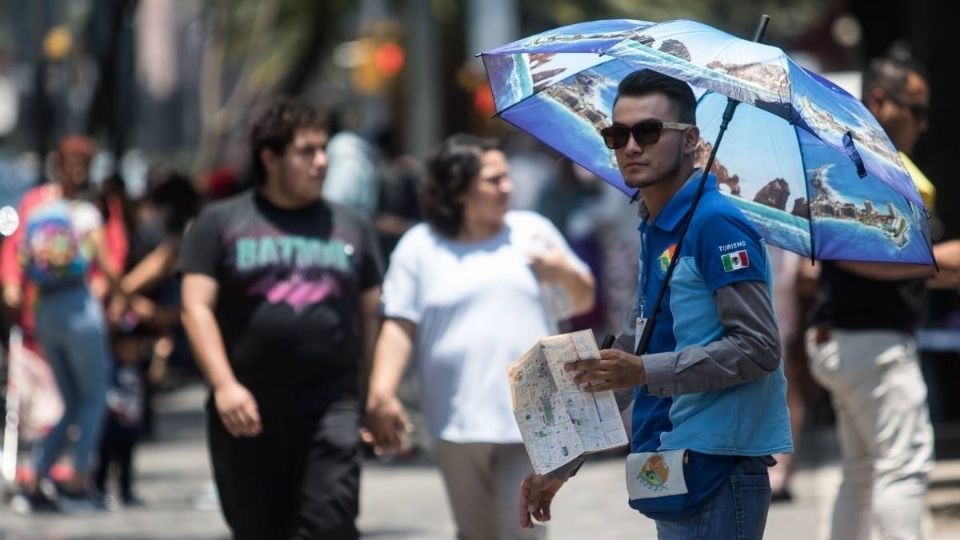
{"points": [[887, 271], [109, 272], [749, 349], [948, 259], [553, 265], [386, 418], [369, 318], [157, 265], [235, 404], [13, 274], [11, 262]]}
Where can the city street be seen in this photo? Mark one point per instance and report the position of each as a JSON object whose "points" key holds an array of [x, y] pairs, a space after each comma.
{"points": [[406, 501]]}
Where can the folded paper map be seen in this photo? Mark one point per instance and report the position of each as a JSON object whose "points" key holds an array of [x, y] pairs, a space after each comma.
{"points": [[557, 420]]}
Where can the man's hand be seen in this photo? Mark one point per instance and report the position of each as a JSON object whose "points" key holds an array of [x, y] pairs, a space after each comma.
{"points": [[237, 409], [536, 493], [615, 370], [388, 425]]}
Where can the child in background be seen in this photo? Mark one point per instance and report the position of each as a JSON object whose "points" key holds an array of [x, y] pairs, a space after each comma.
{"points": [[126, 400]]}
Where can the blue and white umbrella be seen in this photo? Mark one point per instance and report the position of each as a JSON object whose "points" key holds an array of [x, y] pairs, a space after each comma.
{"points": [[806, 162]]}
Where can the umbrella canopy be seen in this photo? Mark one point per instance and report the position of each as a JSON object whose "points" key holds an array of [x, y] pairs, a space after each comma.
{"points": [[807, 163]]}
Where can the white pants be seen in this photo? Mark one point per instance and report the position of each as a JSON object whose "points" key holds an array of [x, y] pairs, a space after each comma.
{"points": [[883, 424], [483, 487]]}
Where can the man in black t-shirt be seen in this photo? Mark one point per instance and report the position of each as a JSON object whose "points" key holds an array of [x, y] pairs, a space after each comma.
{"points": [[281, 292], [862, 348]]}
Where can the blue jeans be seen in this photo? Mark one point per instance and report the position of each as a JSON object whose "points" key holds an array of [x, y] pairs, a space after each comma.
{"points": [[72, 331], [737, 511]]}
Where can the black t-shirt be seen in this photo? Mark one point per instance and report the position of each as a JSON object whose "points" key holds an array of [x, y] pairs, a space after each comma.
{"points": [[289, 287], [848, 301]]}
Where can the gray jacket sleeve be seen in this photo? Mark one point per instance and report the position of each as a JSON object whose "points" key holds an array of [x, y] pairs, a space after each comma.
{"points": [[749, 349]]}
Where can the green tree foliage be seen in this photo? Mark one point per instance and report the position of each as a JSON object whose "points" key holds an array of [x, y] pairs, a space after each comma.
{"points": [[256, 49]]}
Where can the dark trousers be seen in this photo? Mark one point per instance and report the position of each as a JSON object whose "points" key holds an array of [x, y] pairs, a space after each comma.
{"points": [[116, 448], [299, 479]]}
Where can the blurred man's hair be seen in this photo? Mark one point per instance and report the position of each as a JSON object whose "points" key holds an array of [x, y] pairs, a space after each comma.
{"points": [[646, 81], [451, 172], [891, 70], [276, 125]]}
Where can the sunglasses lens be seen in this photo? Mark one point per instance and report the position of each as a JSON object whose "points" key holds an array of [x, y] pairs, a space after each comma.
{"points": [[647, 132], [615, 137], [920, 112]]}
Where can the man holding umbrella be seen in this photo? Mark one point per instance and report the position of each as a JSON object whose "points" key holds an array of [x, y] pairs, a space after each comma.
{"points": [[862, 347], [710, 402]]}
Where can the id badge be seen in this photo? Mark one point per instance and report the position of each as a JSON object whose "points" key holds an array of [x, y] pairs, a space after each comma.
{"points": [[655, 474], [641, 323]]}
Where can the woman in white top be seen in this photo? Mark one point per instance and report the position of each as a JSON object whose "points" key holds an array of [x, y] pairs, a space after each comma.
{"points": [[466, 293]]}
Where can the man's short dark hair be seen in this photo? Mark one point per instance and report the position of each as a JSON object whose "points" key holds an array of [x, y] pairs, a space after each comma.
{"points": [[890, 71], [451, 171], [646, 81], [276, 125]]}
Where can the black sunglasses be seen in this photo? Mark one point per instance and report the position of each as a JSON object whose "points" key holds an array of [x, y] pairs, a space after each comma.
{"points": [[920, 111], [644, 132]]}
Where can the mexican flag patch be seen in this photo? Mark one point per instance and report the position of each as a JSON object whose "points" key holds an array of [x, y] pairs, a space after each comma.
{"points": [[735, 261]]}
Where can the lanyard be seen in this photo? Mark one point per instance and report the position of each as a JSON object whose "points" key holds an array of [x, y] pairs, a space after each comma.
{"points": [[648, 327], [644, 265]]}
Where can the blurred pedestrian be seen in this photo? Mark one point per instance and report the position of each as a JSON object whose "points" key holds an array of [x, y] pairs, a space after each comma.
{"points": [[353, 177], [170, 203], [61, 238], [126, 405], [465, 294], [401, 176], [709, 391], [280, 296], [862, 348]]}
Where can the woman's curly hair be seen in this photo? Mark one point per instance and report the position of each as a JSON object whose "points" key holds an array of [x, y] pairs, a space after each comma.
{"points": [[451, 171]]}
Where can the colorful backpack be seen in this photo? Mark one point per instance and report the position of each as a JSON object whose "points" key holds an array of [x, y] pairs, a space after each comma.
{"points": [[51, 246]]}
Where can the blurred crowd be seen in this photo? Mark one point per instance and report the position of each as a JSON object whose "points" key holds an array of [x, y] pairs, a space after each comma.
{"points": [[92, 297], [132, 279]]}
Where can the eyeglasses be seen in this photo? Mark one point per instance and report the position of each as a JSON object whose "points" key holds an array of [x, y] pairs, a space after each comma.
{"points": [[920, 111], [307, 151], [644, 132]]}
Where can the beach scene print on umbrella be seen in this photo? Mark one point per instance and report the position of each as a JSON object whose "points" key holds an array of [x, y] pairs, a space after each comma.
{"points": [[805, 161]]}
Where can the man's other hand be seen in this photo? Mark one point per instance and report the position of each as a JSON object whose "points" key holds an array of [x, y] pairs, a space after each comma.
{"points": [[237, 409], [536, 493]]}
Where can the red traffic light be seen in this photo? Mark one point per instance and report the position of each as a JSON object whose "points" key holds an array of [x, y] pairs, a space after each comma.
{"points": [[389, 59]]}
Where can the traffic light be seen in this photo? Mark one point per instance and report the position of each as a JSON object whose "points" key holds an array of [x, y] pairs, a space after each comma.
{"points": [[377, 58]]}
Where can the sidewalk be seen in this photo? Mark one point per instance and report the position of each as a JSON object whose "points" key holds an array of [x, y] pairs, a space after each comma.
{"points": [[407, 501]]}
